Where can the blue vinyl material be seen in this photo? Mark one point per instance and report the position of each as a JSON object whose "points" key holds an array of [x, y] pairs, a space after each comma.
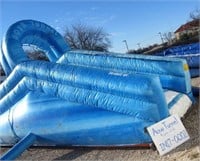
{"points": [[71, 123], [195, 72], [177, 79], [103, 90], [81, 97], [188, 49], [19, 148], [195, 91], [4, 63], [35, 33], [189, 52]]}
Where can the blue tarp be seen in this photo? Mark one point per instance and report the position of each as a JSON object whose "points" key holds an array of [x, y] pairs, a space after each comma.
{"points": [[189, 52], [188, 49]]}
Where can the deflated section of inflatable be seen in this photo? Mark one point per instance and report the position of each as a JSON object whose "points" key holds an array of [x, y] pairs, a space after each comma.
{"points": [[189, 52], [84, 98]]}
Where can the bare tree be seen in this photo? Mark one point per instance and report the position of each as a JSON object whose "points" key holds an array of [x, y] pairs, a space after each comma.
{"points": [[37, 55], [80, 36], [168, 37], [195, 15]]}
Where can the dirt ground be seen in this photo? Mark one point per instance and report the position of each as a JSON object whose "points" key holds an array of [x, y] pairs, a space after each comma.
{"points": [[185, 152]]}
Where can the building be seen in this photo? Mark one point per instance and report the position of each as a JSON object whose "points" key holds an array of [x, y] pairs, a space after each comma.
{"points": [[188, 28]]}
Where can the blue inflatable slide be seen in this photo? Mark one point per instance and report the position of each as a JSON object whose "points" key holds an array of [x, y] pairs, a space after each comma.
{"points": [[83, 98]]}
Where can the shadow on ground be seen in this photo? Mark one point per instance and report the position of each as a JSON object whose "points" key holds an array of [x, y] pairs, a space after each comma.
{"points": [[73, 154]]}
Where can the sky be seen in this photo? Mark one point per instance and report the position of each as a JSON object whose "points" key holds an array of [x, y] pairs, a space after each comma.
{"points": [[136, 21]]}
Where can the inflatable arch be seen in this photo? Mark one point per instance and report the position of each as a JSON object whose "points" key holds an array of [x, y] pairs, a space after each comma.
{"points": [[34, 33]]}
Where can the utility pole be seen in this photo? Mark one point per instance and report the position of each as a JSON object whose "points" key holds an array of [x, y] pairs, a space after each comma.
{"points": [[161, 37], [126, 44]]}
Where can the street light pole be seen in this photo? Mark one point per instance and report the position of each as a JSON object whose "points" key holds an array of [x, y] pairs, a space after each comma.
{"points": [[161, 37], [126, 44]]}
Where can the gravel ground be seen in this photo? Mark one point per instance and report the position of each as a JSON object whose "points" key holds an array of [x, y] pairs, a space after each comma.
{"points": [[187, 151]]}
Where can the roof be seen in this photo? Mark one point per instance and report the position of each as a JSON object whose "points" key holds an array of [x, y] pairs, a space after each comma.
{"points": [[187, 26]]}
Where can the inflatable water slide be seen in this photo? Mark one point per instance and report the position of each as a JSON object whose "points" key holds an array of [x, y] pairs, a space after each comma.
{"points": [[83, 98]]}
